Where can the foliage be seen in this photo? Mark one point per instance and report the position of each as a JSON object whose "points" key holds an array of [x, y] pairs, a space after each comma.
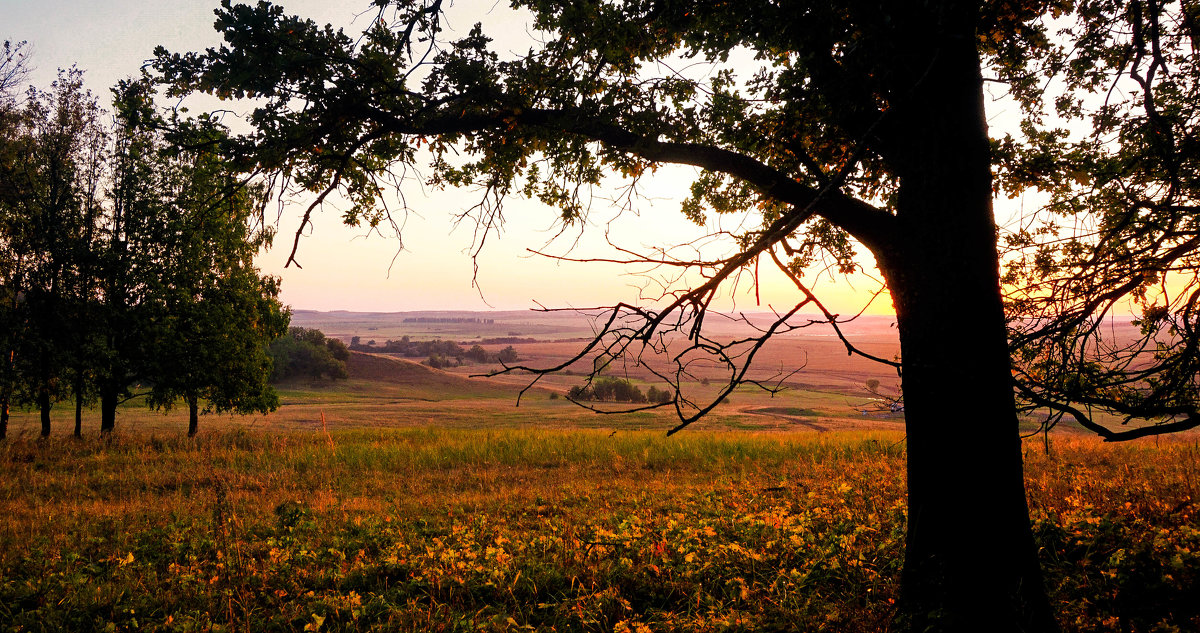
{"points": [[829, 129], [479, 354], [305, 352], [437, 361], [654, 395], [213, 314], [827, 107], [54, 146], [507, 356], [611, 389], [415, 349], [338, 349], [128, 258]]}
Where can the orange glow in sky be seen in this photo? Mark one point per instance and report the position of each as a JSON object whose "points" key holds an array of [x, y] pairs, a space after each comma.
{"points": [[342, 268]]}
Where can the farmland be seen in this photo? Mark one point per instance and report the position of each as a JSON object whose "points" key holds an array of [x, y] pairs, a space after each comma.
{"points": [[407, 498]]}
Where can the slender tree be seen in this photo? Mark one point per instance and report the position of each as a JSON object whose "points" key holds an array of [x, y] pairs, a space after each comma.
{"points": [[52, 177], [835, 127], [220, 312], [196, 316], [13, 69]]}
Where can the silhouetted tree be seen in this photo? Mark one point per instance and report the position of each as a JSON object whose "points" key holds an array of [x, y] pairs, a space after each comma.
{"points": [[13, 69], [857, 125], [55, 146], [126, 259]]}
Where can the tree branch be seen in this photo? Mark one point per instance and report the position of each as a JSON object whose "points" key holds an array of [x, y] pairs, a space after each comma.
{"points": [[867, 224]]}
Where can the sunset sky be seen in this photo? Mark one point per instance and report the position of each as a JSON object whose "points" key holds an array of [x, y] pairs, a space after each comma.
{"points": [[343, 268]]}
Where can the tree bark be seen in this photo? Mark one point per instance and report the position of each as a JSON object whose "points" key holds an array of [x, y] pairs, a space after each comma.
{"points": [[4, 417], [79, 408], [193, 415], [970, 559], [108, 410], [43, 400]]}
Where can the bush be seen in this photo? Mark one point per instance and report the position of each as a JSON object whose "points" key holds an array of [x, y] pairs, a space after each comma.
{"points": [[478, 354], [507, 355], [654, 395], [338, 349], [306, 352], [609, 389]]}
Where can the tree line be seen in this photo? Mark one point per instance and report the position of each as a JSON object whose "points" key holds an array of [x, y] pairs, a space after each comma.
{"points": [[126, 258], [606, 388], [440, 353]]}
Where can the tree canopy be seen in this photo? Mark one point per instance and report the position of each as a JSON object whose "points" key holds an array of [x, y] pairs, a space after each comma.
{"points": [[126, 258], [833, 130]]}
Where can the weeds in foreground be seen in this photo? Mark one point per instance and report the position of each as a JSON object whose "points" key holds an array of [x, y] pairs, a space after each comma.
{"points": [[440, 530]]}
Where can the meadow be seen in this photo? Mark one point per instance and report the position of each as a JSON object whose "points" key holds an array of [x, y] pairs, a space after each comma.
{"points": [[412, 499], [541, 529]]}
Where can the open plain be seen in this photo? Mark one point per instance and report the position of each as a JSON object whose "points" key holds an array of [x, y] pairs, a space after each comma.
{"points": [[414, 499]]}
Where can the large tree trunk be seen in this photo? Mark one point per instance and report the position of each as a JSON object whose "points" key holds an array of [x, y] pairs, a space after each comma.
{"points": [[970, 559], [4, 417], [108, 410], [193, 415]]}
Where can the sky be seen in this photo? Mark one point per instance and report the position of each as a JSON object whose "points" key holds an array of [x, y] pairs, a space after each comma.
{"points": [[431, 269]]}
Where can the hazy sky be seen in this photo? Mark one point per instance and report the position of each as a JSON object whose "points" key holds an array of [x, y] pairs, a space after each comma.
{"points": [[342, 269]]}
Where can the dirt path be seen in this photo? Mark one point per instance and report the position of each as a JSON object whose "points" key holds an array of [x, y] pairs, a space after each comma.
{"points": [[824, 424]]}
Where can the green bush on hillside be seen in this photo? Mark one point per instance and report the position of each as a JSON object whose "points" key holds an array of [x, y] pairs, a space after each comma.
{"points": [[305, 352], [607, 389]]}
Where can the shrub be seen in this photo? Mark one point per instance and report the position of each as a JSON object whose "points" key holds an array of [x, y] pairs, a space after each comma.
{"points": [[507, 355], [306, 352], [654, 395], [609, 389]]}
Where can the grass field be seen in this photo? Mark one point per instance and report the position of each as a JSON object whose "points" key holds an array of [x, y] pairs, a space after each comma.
{"points": [[411, 499], [540, 529]]}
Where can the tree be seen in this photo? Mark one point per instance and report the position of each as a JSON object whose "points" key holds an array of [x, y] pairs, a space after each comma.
{"points": [[212, 315], [56, 145], [13, 68], [152, 279], [338, 349], [857, 125], [507, 356]]}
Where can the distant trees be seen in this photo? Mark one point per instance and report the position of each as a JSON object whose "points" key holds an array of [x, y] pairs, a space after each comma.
{"points": [[305, 352], [439, 353], [414, 349], [609, 389], [126, 257], [506, 356], [478, 354]]}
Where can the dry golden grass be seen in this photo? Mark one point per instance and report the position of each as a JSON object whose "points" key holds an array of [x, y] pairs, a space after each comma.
{"points": [[501, 529]]}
